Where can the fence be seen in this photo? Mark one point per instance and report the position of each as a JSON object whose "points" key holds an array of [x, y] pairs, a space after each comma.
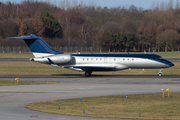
{"points": [[20, 49], [23, 49]]}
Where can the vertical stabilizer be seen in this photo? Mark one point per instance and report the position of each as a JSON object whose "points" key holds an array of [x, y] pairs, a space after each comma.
{"points": [[38, 47]]}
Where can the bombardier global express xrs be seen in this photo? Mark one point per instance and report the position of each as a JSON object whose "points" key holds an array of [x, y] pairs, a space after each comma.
{"points": [[91, 62]]}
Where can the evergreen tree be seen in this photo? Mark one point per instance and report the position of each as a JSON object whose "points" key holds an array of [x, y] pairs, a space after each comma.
{"points": [[52, 27]]}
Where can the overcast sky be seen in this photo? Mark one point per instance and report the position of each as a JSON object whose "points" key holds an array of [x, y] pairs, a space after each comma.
{"points": [[146, 4]]}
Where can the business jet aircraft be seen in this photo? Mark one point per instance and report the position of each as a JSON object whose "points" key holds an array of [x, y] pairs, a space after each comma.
{"points": [[91, 62]]}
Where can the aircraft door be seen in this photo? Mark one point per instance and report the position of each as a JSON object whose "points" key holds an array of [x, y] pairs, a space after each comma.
{"points": [[105, 59]]}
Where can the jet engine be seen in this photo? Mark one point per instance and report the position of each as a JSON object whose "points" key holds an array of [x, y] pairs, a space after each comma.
{"points": [[57, 59]]}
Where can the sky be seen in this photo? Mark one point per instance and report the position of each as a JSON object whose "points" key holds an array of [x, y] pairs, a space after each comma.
{"points": [[146, 4]]}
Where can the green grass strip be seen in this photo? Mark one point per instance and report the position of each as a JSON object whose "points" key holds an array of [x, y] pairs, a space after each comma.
{"points": [[151, 106], [14, 82]]}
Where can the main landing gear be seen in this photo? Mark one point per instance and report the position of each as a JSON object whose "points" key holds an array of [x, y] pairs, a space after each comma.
{"points": [[160, 73], [88, 73]]}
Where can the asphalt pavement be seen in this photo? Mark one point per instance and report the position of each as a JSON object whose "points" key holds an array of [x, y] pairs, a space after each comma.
{"points": [[14, 98]]}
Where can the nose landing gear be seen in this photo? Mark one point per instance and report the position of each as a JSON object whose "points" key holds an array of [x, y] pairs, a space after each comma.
{"points": [[160, 73]]}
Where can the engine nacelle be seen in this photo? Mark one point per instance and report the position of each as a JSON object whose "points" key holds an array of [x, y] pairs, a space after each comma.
{"points": [[57, 59]]}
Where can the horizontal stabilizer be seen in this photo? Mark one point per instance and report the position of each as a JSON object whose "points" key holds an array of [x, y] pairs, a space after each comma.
{"points": [[26, 37]]}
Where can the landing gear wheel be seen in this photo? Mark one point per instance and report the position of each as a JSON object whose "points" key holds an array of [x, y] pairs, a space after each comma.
{"points": [[87, 73], [160, 73]]}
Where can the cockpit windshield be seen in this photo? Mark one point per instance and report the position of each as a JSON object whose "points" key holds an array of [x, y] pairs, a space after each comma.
{"points": [[156, 58]]}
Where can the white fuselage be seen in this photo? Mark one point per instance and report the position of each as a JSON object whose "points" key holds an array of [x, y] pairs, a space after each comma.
{"points": [[105, 62], [119, 63]]}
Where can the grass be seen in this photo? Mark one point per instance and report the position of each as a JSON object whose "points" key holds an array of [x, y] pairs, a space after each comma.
{"points": [[16, 55], [151, 106], [33, 68], [175, 54], [13, 82], [30, 68]]}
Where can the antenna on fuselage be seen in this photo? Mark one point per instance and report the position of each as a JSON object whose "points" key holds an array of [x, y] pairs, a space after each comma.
{"points": [[78, 52]]}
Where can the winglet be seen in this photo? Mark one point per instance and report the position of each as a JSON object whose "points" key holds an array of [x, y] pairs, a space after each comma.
{"points": [[52, 63]]}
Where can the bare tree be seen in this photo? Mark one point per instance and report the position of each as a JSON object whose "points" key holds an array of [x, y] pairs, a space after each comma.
{"points": [[168, 39], [162, 6], [129, 27], [170, 5], [72, 36], [177, 4], [85, 32], [22, 27]]}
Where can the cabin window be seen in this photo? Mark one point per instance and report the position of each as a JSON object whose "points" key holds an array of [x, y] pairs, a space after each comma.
{"points": [[91, 58], [87, 59], [100, 58], [96, 59], [158, 58], [123, 59], [114, 59], [128, 59], [132, 59]]}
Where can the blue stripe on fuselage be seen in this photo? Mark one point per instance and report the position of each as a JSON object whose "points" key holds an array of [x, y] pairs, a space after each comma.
{"points": [[117, 55]]}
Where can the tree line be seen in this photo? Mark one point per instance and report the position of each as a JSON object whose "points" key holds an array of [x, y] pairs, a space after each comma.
{"points": [[76, 24]]}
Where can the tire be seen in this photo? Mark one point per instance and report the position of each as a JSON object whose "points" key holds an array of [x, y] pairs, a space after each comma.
{"points": [[159, 74], [87, 73]]}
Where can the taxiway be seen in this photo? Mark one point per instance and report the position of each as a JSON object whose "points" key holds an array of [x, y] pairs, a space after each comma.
{"points": [[14, 98]]}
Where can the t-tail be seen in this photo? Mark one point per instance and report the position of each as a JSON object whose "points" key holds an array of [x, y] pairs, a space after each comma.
{"points": [[38, 47]]}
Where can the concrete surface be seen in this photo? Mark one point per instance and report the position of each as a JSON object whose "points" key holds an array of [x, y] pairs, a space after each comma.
{"points": [[14, 98]]}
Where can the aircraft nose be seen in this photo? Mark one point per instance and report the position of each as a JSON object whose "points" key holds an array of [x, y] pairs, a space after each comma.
{"points": [[170, 64]]}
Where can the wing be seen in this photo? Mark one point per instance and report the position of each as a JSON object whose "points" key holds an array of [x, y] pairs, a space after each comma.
{"points": [[91, 67]]}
